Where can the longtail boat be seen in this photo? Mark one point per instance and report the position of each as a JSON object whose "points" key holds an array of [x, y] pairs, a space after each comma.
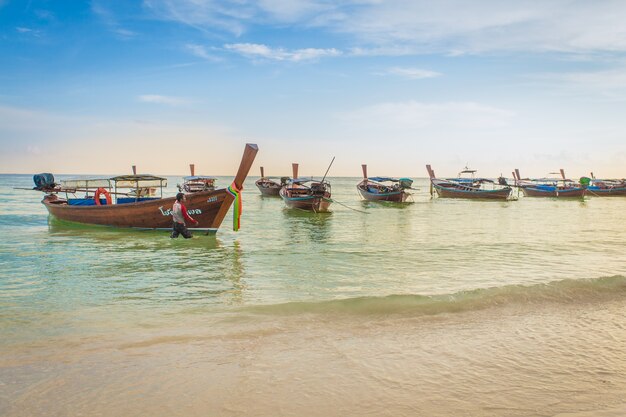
{"points": [[145, 212], [194, 183], [468, 186], [384, 188], [549, 186], [306, 193], [604, 187], [268, 187]]}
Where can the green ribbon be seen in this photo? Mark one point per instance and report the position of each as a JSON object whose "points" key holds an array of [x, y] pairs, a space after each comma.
{"points": [[236, 193]]}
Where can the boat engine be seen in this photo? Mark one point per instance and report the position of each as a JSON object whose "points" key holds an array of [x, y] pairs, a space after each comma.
{"points": [[318, 189], [406, 182], [44, 182]]}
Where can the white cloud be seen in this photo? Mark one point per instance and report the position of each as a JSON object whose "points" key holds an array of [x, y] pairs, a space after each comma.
{"points": [[413, 73], [416, 115], [158, 99], [110, 20], [446, 26], [23, 30], [205, 15], [201, 52], [594, 80], [33, 149], [253, 50], [45, 14], [125, 33]]}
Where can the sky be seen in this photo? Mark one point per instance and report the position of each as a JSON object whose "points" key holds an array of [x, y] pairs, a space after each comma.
{"points": [[94, 87]]}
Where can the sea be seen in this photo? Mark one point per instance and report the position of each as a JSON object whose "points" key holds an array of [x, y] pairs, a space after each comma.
{"points": [[436, 307]]}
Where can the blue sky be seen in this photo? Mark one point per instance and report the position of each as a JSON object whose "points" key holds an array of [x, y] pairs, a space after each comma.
{"points": [[95, 87]]}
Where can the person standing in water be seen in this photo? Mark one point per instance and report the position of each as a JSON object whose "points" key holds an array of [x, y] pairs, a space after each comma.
{"points": [[179, 215]]}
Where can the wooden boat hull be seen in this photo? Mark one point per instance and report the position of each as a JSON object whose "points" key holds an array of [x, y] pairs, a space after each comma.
{"points": [[310, 203], [268, 190], [316, 204], [396, 196], [203, 206], [563, 193], [606, 192], [207, 207], [449, 192]]}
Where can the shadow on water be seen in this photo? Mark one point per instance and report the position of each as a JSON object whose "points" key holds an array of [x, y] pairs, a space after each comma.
{"points": [[146, 268], [301, 224], [123, 236], [386, 204]]}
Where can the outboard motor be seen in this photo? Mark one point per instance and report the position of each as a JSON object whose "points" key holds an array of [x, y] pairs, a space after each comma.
{"points": [[318, 189], [502, 181], [405, 182], [44, 182], [585, 181]]}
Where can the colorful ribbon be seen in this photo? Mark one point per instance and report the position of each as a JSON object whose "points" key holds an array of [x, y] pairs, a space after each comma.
{"points": [[236, 193]]}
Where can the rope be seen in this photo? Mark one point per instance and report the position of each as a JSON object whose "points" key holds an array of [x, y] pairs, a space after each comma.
{"points": [[591, 192], [348, 207], [236, 193]]}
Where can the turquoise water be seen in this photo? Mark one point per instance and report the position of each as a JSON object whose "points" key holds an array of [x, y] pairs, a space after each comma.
{"points": [[436, 307]]}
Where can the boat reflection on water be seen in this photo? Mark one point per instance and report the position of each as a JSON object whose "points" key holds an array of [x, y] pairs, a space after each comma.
{"points": [[122, 239], [149, 268], [387, 204], [301, 223]]}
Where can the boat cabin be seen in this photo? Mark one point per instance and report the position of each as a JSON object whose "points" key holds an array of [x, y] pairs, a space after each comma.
{"points": [[196, 183], [122, 189]]}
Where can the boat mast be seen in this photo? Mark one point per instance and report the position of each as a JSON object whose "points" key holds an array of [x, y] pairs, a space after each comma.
{"points": [[331, 164], [247, 159]]}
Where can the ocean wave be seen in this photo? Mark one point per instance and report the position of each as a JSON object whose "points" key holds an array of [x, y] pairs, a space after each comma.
{"points": [[567, 291]]}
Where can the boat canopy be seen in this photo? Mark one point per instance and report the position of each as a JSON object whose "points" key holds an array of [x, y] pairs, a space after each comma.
{"points": [[134, 181], [199, 178], [469, 180], [303, 180], [86, 182], [383, 179]]}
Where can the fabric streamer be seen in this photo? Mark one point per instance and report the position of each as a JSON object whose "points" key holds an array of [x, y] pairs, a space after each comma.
{"points": [[236, 193]]}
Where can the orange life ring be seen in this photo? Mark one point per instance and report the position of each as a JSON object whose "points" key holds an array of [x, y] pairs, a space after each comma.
{"points": [[107, 195]]}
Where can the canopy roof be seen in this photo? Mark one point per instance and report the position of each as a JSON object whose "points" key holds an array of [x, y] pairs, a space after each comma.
{"points": [[134, 181], [86, 182], [303, 180], [199, 177], [383, 179], [469, 180]]}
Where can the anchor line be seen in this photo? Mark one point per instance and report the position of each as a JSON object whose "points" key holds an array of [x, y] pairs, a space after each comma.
{"points": [[341, 204]]}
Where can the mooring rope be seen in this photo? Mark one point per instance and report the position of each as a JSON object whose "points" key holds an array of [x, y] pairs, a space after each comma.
{"points": [[348, 207]]}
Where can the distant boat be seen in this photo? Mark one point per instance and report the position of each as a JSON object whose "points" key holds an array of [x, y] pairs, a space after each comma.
{"points": [[604, 187], [549, 186], [134, 209], [306, 193], [466, 185], [268, 187], [383, 188], [195, 183]]}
